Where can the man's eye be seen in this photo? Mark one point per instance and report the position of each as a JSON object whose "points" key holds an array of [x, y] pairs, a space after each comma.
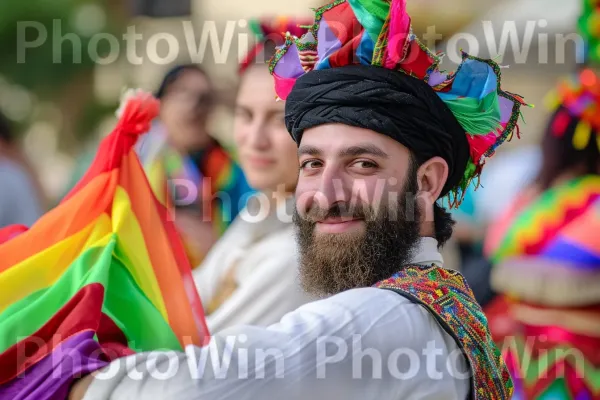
{"points": [[365, 164], [310, 164]]}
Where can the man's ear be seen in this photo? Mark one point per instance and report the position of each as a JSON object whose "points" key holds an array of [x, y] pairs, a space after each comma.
{"points": [[431, 178]]}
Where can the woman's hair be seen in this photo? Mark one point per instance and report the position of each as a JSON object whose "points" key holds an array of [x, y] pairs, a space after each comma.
{"points": [[175, 73], [560, 156]]}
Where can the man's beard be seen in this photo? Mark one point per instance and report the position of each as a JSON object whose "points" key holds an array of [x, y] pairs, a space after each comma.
{"points": [[332, 263]]}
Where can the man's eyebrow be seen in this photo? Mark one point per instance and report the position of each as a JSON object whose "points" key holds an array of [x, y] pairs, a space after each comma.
{"points": [[363, 149], [308, 150]]}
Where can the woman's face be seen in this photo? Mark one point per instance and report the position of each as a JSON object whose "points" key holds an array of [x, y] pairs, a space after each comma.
{"points": [[185, 109], [266, 150]]}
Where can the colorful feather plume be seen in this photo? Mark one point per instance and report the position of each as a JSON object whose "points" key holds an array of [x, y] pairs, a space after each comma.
{"points": [[379, 33]]}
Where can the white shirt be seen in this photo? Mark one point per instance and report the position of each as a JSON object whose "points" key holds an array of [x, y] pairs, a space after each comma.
{"points": [[262, 257], [363, 344]]}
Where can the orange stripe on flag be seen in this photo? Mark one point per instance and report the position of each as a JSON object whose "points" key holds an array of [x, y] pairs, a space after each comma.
{"points": [[63, 221], [162, 248]]}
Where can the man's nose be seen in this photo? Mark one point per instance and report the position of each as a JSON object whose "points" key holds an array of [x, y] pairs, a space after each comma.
{"points": [[333, 188]]}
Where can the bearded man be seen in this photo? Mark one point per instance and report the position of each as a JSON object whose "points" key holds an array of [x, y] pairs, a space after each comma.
{"points": [[382, 134]]}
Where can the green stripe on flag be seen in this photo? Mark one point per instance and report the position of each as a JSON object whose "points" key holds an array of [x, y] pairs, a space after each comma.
{"points": [[125, 303]]}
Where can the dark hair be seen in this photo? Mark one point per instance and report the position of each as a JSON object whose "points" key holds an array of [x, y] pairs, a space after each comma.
{"points": [[259, 55], [175, 73], [442, 219], [444, 224], [270, 45], [6, 131], [560, 156]]}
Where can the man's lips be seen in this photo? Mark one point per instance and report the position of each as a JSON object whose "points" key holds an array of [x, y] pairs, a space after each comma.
{"points": [[338, 224], [338, 220]]}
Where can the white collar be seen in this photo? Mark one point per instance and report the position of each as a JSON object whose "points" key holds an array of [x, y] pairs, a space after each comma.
{"points": [[277, 217], [427, 252]]}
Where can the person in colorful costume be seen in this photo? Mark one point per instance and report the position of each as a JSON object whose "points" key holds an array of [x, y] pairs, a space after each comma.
{"points": [[250, 276], [546, 255], [206, 185], [382, 135]]}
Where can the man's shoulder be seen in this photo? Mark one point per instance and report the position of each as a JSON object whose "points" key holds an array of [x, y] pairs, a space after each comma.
{"points": [[372, 306], [366, 297]]}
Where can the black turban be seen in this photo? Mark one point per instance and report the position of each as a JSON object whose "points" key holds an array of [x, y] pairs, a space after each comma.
{"points": [[385, 101]]}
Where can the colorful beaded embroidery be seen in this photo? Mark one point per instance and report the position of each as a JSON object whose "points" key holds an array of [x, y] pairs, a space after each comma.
{"points": [[449, 298]]}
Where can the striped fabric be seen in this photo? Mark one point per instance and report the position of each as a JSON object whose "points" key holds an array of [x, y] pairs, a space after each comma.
{"points": [[102, 275]]}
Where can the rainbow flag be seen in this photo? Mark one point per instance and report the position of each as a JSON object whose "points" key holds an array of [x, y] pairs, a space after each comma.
{"points": [[101, 276]]}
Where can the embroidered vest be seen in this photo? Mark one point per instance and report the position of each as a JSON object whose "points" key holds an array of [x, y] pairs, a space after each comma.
{"points": [[448, 297]]}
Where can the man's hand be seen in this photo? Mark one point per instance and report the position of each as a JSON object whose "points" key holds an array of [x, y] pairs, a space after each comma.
{"points": [[80, 387]]}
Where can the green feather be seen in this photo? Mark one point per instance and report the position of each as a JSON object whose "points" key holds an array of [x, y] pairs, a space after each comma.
{"points": [[371, 14], [255, 28], [378, 8], [470, 171], [477, 117]]}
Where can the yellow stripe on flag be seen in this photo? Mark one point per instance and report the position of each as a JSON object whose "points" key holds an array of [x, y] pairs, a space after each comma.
{"points": [[157, 177], [43, 269], [130, 241]]}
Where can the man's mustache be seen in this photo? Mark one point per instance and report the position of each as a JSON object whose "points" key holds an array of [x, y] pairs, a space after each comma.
{"points": [[339, 210]]}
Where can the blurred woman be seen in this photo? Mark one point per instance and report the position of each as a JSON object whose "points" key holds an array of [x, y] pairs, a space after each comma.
{"points": [[208, 186], [21, 195], [546, 255], [250, 276]]}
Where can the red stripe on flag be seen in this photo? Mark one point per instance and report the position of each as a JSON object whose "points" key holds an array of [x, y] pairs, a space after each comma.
{"points": [[136, 120], [82, 313], [11, 231]]}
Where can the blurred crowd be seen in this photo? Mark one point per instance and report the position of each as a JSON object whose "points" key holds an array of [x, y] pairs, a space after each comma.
{"points": [[523, 238]]}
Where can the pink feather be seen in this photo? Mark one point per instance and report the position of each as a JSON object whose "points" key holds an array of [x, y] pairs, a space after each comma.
{"points": [[398, 33], [283, 86]]}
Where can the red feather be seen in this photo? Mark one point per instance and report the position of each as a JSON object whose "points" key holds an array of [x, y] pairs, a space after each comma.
{"points": [[479, 145]]}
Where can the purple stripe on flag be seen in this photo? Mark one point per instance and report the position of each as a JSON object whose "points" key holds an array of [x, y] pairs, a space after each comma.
{"points": [[51, 378], [584, 394]]}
